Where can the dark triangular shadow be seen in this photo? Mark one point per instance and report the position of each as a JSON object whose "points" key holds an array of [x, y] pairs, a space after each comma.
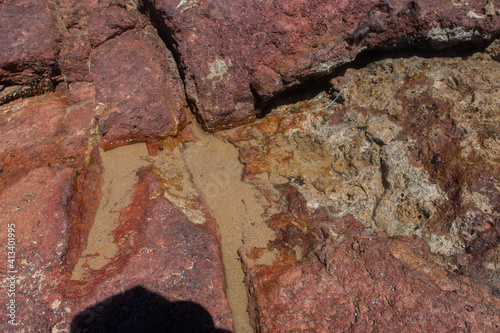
{"points": [[138, 310]]}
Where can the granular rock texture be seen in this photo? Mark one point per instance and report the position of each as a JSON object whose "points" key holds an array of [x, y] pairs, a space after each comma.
{"points": [[366, 283], [138, 90], [236, 55], [369, 198], [29, 37], [333, 158], [408, 150], [448, 109]]}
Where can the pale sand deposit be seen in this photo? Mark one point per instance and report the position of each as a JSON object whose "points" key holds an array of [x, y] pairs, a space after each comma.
{"points": [[119, 177], [217, 172]]}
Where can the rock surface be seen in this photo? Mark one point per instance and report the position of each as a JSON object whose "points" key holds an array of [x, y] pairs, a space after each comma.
{"points": [[56, 184], [364, 283], [236, 55], [139, 93], [369, 198], [408, 150], [29, 39]]}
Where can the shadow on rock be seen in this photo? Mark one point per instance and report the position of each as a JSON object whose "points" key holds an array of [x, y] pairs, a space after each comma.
{"points": [[139, 310]]}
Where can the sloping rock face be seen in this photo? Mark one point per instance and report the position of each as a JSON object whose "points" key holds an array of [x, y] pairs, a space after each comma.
{"points": [[29, 39], [138, 89], [380, 180], [78, 241], [239, 54], [366, 283], [410, 152], [139, 94]]}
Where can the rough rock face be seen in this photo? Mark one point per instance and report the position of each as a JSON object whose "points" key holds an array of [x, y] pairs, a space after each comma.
{"points": [[139, 94], [29, 39], [186, 267], [138, 89], [333, 159], [409, 149], [365, 283], [236, 55], [52, 129], [148, 257], [380, 182], [54, 187]]}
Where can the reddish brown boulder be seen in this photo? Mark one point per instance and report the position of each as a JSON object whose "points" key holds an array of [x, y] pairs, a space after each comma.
{"points": [[35, 208], [86, 26], [29, 39], [32, 132], [237, 54], [136, 102], [160, 250], [75, 43], [360, 282], [107, 23], [46, 130], [139, 94]]}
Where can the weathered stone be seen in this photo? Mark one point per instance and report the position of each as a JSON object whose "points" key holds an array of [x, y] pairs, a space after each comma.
{"points": [[383, 189], [227, 48], [338, 158], [74, 57], [109, 23], [186, 267], [404, 147], [36, 208], [86, 26], [44, 130], [448, 115], [79, 122], [138, 90], [361, 282], [75, 50], [32, 133], [29, 39]]}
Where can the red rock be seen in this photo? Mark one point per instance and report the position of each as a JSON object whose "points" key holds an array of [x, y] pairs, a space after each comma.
{"points": [[43, 130], [109, 23], [79, 120], [29, 39], [138, 90], [75, 56], [87, 25], [161, 251], [32, 133], [227, 48], [37, 206], [364, 283], [75, 50]]}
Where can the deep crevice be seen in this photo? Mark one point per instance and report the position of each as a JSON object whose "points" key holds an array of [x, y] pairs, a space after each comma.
{"points": [[165, 33], [462, 50], [43, 83], [145, 7], [314, 85], [300, 92]]}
